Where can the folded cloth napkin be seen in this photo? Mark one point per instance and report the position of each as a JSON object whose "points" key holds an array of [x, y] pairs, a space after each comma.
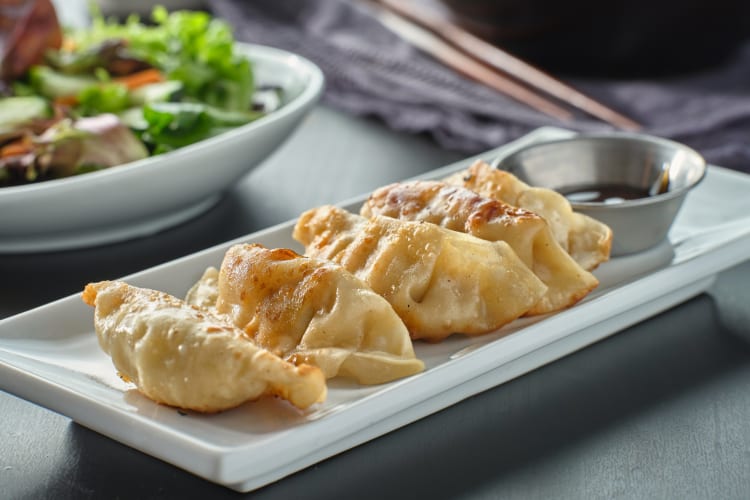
{"points": [[371, 71]]}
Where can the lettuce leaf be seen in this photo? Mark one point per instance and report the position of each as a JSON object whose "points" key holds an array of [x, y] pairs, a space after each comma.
{"points": [[72, 146], [190, 46]]}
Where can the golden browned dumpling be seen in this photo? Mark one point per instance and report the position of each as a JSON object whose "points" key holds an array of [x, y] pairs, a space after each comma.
{"points": [[439, 281], [461, 209], [181, 356], [312, 311], [587, 240]]}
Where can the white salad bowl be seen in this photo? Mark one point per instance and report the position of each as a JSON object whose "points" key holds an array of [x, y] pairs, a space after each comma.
{"points": [[143, 197]]}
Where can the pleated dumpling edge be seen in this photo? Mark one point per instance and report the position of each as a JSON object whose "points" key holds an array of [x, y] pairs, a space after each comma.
{"points": [[440, 282], [310, 311], [181, 356]]}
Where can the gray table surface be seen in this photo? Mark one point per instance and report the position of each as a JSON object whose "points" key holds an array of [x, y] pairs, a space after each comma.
{"points": [[660, 410]]}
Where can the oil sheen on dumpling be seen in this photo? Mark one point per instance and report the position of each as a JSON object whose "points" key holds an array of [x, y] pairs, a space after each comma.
{"points": [[181, 356], [313, 311], [439, 281], [587, 240], [461, 209]]}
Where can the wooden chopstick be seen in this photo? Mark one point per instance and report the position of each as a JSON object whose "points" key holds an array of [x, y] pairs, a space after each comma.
{"points": [[459, 62], [464, 51]]}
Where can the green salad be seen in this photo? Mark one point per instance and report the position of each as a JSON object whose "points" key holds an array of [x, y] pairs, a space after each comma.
{"points": [[122, 91]]}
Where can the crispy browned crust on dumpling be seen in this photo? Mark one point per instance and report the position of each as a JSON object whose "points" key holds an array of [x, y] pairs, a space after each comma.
{"points": [[313, 311], [184, 357], [461, 209], [439, 281], [587, 240]]}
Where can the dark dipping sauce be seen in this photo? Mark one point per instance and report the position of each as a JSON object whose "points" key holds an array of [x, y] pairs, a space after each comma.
{"points": [[605, 193]]}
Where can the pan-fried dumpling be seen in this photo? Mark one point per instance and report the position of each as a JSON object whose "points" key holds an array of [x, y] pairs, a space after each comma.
{"points": [[313, 311], [205, 292], [439, 281], [586, 239], [461, 209], [181, 356]]}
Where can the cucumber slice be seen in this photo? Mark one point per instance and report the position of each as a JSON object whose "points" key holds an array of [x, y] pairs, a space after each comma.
{"points": [[223, 117], [15, 111], [52, 84], [156, 92], [133, 118]]}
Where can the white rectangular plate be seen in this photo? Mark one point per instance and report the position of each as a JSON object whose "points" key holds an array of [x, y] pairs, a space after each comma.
{"points": [[50, 355]]}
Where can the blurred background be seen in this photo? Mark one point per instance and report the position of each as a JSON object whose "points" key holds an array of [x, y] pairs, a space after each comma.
{"points": [[679, 69], [610, 38], [577, 37]]}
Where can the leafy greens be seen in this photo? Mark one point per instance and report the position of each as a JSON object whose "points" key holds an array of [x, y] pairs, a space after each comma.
{"points": [[170, 82], [191, 47]]}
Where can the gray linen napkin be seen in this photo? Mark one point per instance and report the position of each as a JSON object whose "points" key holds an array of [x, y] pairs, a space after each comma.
{"points": [[370, 71]]}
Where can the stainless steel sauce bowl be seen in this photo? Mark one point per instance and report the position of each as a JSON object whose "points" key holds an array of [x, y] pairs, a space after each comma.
{"points": [[654, 174]]}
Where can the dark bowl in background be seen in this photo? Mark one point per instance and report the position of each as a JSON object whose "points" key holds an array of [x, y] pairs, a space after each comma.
{"points": [[610, 37]]}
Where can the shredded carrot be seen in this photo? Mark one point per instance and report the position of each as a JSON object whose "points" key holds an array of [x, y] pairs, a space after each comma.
{"points": [[19, 147], [66, 100], [68, 44], [151, 75]]}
